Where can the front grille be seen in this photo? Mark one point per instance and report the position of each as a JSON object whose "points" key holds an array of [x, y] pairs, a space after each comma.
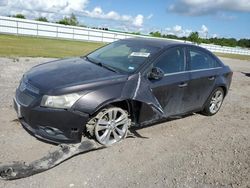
{"points": [[24, 98], [24, 85]]}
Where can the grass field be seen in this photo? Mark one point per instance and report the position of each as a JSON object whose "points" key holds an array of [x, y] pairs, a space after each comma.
{"points": [[234, 56], [21, 46]]}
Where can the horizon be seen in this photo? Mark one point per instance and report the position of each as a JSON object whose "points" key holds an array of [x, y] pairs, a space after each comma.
{"points": [[223, 19]]}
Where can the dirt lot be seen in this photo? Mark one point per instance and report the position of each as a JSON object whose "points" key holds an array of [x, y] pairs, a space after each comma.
{"points": [[196, 151]]}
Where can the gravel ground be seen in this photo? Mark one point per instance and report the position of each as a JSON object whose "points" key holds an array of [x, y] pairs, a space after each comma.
{"points": [[196, 151]]}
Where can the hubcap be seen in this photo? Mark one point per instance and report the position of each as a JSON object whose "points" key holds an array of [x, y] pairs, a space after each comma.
{"points": [[216, 102], [112, 126]]}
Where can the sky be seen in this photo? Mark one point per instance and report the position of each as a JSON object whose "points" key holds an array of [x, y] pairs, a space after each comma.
{"points": [[211, 18]]}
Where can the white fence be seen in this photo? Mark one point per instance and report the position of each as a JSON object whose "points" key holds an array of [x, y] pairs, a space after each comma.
{"points": [[17, 26]]}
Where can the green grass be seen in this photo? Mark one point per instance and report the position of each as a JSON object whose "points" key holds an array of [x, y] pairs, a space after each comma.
{"points": [[234, 56], [22, 46]]}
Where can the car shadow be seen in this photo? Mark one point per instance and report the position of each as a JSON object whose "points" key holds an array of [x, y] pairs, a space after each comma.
{"points": [[246, 74], [132, 133], [134, 130]]}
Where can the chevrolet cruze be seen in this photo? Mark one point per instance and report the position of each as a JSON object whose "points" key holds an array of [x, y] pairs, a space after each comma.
{"points": [[131, 82]]}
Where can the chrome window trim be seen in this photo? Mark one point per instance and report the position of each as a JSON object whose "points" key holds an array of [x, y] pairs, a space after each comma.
{"points": [[198, 70]]}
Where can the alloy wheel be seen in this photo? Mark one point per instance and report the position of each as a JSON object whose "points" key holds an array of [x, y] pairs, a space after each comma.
{"points": [[111, 126], [216, 101]]}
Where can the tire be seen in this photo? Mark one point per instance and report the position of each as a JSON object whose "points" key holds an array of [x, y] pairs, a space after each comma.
{"points": [[214, 102], [109, 126]]}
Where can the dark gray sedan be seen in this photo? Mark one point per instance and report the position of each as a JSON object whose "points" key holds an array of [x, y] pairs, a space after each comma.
{"points": [[132, 82]]}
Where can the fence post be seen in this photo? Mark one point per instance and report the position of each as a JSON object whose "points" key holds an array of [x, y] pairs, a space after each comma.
{"points": [[36, 29], [17, 28], [88, 34]]}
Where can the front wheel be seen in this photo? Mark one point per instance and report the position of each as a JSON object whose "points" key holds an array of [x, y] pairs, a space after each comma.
{"points": [[214, 102], [110, 125]]}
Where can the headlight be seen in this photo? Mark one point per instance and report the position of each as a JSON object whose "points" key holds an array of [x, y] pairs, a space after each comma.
{"points": [[62, 101]]}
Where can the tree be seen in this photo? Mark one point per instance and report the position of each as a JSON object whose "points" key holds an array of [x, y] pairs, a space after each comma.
{"points": [[136, 33], [244, 43], [72, 20], [42, 19], [19, 16], [194, 37], [155, 34], [170, 36]]}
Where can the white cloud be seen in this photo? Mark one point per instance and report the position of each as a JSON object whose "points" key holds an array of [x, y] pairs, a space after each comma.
{"points": [[181, 32], [205, 7], [45, 6], [57, 9], [178, 31], [214, 36], [138, 21], [97, 12], [177, 28], [203, 32], [35, 8], [204, 29]]}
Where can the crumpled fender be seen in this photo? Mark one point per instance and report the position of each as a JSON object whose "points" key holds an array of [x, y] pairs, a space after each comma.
{"points": [[136, 87]]}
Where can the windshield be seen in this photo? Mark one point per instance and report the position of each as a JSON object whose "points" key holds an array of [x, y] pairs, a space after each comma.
{"points": [[124, 56]]}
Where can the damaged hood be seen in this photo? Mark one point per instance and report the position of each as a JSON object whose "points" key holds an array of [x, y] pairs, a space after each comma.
{"points": [[55, 76]]}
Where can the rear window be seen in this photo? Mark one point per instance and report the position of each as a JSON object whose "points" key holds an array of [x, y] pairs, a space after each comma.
{"points": [[201, 60]]}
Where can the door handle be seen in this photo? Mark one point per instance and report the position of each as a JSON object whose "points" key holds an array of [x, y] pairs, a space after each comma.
{"points": [[184, 84], [211, 78]]}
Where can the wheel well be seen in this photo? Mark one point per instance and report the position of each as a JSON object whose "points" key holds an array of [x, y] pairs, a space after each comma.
{"points": [[224, 89], [131, 106], [121, 104]]}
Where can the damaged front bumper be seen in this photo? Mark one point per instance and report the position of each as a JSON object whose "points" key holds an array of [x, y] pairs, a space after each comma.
{"points": [[53, 125]]}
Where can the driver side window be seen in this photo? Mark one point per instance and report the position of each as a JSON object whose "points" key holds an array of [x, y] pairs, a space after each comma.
{"points": [[172, 61]]}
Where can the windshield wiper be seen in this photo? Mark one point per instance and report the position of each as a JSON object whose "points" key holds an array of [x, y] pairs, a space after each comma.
{"points": [[90, 60], [101, 64]]}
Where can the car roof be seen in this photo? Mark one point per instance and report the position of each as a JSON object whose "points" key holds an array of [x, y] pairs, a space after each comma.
{"points": [[164, 43], [156, 42]]}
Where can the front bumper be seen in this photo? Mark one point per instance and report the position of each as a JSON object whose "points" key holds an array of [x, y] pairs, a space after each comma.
{"points": [[53, 125]]}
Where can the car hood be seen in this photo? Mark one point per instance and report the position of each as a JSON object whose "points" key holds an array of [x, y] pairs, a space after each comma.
{"points": [[68, 75]]}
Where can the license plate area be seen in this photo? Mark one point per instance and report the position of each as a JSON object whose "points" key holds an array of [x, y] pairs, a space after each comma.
{"points": [[17, 108]]}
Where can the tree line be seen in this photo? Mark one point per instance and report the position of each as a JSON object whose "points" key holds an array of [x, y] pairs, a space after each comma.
{"points": [[193, 37], [67, 20]]}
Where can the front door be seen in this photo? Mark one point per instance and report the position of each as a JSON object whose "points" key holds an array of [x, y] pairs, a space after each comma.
{"points": [[170, 90]]}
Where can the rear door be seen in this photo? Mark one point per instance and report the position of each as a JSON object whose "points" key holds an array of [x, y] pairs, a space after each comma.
{"points": [[203, 70], [171, 89]]}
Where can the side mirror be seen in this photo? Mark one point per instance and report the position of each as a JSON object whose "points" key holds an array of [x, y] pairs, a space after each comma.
{"points": [[156, 73]]}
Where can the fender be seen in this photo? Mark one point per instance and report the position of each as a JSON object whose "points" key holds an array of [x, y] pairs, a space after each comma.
{"points": [[224, 80], [94, 100], [135, 88]]}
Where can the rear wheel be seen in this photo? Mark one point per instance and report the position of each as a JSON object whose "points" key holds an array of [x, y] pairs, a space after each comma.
{"points": [[110, 125], [214, 102]]}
